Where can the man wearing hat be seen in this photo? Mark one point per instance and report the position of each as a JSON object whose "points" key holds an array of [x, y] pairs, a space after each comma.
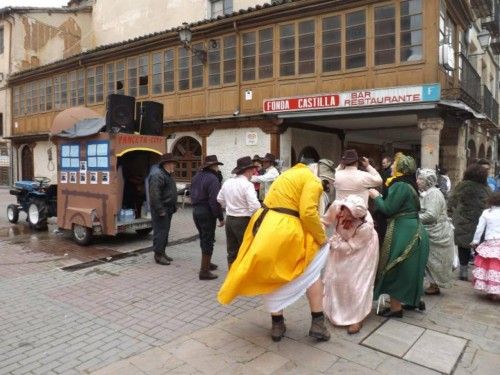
{"points": [[350, 180], [238, 196], [257, 162], [206, 210], [163, 203], [270, 174]]}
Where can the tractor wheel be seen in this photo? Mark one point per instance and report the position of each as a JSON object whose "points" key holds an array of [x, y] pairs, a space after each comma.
{"points": [[12, 213], [37, 214], [82, 235], [143, 232]]}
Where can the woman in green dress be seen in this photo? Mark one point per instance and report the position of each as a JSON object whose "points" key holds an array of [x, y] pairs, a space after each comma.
{"points": [[405, 249]]}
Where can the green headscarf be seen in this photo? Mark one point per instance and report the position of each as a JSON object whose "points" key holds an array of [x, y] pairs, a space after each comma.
{"points": [[405, 165]]}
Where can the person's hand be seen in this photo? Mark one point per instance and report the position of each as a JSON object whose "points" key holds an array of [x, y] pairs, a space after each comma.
{"points": [[373, 193], [364, 162], [473, 245], [221, 223]]}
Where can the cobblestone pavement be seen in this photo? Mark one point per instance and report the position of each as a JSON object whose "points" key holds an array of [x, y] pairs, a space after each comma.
{"points": [[131, 316]]}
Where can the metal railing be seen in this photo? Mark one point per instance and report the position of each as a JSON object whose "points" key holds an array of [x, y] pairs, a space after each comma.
{"points": [[470, 83], [490, 105]]}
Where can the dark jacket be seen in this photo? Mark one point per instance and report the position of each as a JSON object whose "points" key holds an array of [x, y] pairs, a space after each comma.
{"points": [[162, 192], [204, 189], [466, 204]]}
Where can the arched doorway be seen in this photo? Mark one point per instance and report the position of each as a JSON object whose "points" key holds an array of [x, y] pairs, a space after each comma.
{"points": [[489, 153], [471, 147], [309, 152], [188, 151], [27, 167], [482, 153]]}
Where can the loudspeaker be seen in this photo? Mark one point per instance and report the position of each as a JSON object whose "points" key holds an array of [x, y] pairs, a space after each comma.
{"points": [[149, 118], [120, 113]]}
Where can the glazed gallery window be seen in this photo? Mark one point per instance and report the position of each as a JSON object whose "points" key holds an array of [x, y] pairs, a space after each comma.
{"points": [[411, 30], [257, 53], [332, 44], [70, 157], [196, 67], [138, 80], [163, 71], [306, 47], [98, 156], [16, 101], [249, 52], [301, 61], [355, 40], [41, 96], [385, 35], [61, 91], [214, 59], [76, 88], [115, 78], [229, 56], [287, 50], [183, 63], [222, 56], [220, 7], [48, 94], [95, 85]]}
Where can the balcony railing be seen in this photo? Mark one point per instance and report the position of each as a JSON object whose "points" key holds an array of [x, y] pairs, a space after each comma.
{"points": [[470, 83], [482, 8], [490, 105], [492, 23]]}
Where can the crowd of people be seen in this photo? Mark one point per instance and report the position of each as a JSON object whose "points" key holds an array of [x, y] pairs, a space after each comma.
{"points": [[395, 233]]}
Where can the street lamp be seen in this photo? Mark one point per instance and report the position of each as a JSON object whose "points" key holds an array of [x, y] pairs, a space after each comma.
{"points": [[484, 38], [185, 35]]}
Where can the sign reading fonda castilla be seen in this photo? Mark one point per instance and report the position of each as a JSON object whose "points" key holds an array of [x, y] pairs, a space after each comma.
{"points": [[395, 95]]}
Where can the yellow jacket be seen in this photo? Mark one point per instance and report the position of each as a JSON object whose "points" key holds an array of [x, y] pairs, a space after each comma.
{"points": [[284, 244]]}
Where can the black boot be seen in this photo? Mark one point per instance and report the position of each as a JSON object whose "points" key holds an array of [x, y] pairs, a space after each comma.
{"points": [[213, 266], [318, 328], [278, 329], [205, 273], [161, 259]]}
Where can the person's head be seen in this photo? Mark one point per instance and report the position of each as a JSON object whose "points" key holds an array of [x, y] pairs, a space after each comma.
{"points": [[494, 200], [211, 163], [349, 158], [386, 162], [485, 163], [245, 167], [168, 162], [443, 171], [403, 164], [353, 207], [426, 178], [268, 160], [477, 173], [257, 161]]}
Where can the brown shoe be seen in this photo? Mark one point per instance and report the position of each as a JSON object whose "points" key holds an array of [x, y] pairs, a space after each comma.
{"points": [[205, 273], [318, 329], [432, 290], [161, 259], [354, 328], [278, 330], [213, 266]]}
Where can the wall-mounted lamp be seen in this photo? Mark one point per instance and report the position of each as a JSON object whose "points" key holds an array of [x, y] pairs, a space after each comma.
{"points": [[484, 38], [185, 36]]}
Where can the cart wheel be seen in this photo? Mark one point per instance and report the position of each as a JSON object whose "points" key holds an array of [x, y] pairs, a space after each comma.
{"points": [[143, 232], [12, 213], [37, 214], [82, 235]]}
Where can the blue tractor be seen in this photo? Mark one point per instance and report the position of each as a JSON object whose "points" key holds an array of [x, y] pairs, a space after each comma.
{"points": [[37, 198]]}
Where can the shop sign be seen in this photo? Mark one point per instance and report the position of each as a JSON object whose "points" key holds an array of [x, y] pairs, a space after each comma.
{"points": [[360, 98]]}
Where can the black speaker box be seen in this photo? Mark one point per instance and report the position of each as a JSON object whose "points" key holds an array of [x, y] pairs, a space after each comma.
{"points": [[149, 118], [120, 113]]}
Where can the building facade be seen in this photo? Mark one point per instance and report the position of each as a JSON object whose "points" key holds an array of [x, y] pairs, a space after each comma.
{"points": [[303, 77]]}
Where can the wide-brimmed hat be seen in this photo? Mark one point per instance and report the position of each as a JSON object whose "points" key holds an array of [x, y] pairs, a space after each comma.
{"points": [[243, 164], [168, 158], [257, 158], [211, 160], [349, 156], [356, 205], [269, 157]]}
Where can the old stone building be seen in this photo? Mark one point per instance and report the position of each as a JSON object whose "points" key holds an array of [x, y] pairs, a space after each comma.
{"points": [[296, 77]]}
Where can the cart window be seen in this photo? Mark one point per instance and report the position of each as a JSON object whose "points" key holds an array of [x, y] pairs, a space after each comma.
{"points": [[70, 157], [98, 156]]}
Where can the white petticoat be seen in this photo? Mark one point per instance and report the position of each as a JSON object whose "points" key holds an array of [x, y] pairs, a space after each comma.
{"points": [[291, 292]]}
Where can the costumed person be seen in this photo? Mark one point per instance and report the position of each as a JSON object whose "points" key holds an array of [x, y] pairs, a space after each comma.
{"points": [[486, 272], [280, 257], [237, 196], [434, 217], [206, 211], [267, 178], [162, 195], [385, 171], [352, 263], [326, 173], [350, 180], [405, 249], [257, 162], [466, 203]]}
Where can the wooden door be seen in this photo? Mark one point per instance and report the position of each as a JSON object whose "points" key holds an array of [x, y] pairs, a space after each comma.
{"points": [[27, 168]]}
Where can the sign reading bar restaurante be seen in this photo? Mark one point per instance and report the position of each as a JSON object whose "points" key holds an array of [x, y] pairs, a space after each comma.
{"points": [[361, 98]]}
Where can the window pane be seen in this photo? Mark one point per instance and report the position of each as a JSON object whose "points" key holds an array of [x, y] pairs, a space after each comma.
{"points": [[73, 89], [266, 53], [143, 75], [306, 47], [157, 71], [132, 76], [168, 71], [120, 77], [197, 67], [41, 93], [355, 40], [110, 78], [99, 86], [230, 59], [331, 48], [385, 35], [90, 85], [287, 50], [214, 64], [183, 69], [64, 91], [249, 52], [81, 87], [411, 30]]}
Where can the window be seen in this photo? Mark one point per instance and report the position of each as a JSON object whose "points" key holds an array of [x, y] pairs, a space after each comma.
{"points": [[76, 87], [132, 76], [188, 152], [22, 100], [196, 67], [48, 94], [90, 85], [411, 30], [95, 84], [214, 64], [157, 71], [266, 53], [332, 48], [287, 50], [229, 66], [16, 91], [183, 68], [1, 40], [168, 71], [306, 47], [115, 78], [355, 40], [249, 52], [70, 157], [98, 156], [60, 91], [220, 8], [41, 96], [385, 35], [143, 75]]}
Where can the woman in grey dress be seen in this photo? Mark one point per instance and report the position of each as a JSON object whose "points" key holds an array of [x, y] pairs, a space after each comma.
{"points": [[433, 215]]}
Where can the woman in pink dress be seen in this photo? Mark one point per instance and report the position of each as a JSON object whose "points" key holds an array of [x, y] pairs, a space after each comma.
{"points": [[352, 263]]}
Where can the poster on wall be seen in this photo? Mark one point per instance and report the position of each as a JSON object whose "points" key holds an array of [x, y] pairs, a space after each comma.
{"points": [[83, 177], [72, 177], [105, 178], [93, 178], [64, 177], [251, 139], [83, 166]]}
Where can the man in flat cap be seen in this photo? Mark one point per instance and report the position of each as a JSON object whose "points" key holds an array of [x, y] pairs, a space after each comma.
{"points": [[270, 174]]}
